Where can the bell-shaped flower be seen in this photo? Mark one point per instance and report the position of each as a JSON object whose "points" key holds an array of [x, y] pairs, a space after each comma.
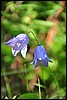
{"points": [[40, 56], [19, 43]]}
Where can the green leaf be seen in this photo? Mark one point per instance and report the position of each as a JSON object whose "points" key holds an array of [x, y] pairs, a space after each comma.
{"points": [[43, 23], [28, 96], [8, 58], [6, 49]]}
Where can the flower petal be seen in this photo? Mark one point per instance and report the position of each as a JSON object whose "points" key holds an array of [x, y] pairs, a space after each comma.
{"points": [[40, 56], [23, 51], [40, 52], [26, 40], [49, 60], [31, 62], [11, 42], [19, 45], [45, 62], [21, 36], [14, 52], [34, 58], [35, 63]]}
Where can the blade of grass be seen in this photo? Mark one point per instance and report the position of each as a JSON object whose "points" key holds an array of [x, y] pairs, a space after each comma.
{"points": [[7, 84], [39, 89], [14, 72], [59, 93]]}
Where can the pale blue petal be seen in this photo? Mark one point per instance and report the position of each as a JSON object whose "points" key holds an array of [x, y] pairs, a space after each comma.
{"points": [[15, 52], [23, 51], [35, 63], [18, 45], [11, 42], [21, 36]]}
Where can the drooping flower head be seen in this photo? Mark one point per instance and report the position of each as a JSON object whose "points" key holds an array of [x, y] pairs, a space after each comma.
{"points": [[40, 56], [19, 43]]}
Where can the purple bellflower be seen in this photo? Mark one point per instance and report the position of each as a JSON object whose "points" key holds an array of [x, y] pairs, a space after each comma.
{"points": [[40, 57], [19, 43]]}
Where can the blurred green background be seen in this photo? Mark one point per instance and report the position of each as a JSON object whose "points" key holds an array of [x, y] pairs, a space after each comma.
{"points": [[47, 20]]}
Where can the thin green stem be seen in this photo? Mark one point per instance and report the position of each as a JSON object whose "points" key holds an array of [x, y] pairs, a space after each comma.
{"points": [[34, 37], [26, 76], [56, 83], [39, 89], [44, 82]]}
